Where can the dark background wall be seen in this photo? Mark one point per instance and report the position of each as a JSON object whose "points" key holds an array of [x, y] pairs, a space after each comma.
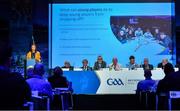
{"points": [[4, 20]]}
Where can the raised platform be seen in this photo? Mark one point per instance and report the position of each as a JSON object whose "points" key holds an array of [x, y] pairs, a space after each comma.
{"points": [[106, 102]]}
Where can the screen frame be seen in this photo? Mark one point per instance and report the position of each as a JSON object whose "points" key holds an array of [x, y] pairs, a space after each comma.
{"points": [[173, 32]]}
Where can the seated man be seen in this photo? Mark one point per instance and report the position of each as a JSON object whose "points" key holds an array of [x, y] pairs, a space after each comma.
{"points": [[37, 83], [165, 41], [148, 34], [157, 34], [29, 72], [14, 89], [122, 36], [99, 64], [164, 84], [58, 80], [114, 65], [85, 66], [174, 81], [132, 65], [67, 65], [147, 84], [146, 65], [163, 63], [138, 32]]}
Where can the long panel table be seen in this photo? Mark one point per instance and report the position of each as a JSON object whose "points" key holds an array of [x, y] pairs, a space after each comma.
{"points": [[108, 82]]}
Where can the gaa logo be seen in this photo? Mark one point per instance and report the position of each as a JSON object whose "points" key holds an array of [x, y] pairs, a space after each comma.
{"points": [[114, 81]]}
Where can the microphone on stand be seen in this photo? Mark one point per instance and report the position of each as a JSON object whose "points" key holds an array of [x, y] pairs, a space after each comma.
{"points": [[33, 39]]}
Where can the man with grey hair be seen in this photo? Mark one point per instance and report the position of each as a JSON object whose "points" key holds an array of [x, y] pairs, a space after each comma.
{"points": [[115, 65], [67, 65], [163, 63], [146, 65]]}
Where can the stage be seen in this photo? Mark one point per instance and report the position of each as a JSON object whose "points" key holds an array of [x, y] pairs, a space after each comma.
{"points": [[106, 102], [109, 82]]}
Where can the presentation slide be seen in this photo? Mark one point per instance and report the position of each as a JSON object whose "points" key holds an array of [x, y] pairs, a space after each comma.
{"points": [[86, 30]]}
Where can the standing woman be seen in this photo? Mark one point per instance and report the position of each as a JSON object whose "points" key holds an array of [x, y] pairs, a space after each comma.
{"points": [[34, 54]]}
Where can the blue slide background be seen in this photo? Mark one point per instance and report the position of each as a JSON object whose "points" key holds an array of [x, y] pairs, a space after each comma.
{"points": [[83, 82], [78, 34]]}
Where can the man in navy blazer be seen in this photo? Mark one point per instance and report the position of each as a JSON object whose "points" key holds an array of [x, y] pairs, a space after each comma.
{"points": [[146, 65], [85, 66]]}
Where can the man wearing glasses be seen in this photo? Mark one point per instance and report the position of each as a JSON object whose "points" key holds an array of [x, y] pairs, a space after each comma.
{"points": [[99, 64]]}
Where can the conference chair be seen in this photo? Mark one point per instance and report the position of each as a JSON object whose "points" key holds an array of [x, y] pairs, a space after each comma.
{"points": [[65, 97], [161, 101], [147, 99], [40, 102], [28, 106], [167, 99]]}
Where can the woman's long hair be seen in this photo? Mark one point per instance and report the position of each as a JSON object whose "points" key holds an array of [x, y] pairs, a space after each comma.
{"points": [[30, 49]]}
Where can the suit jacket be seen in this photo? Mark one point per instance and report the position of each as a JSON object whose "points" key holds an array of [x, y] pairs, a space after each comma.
{"points": [[174, 81], [37, 56], [160, 66], [87, 69], [97, 67], [71, 68], [14, 91], [150, 67], [169, 83], [163, 85]]}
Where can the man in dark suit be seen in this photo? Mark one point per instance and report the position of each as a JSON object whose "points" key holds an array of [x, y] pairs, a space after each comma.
{"points": [[146, 65], [163, 85], [58, 80], [85, 66], [163, 63], [174, 81], [99, 63], [174, 85], [168, 83], [14, 89]]}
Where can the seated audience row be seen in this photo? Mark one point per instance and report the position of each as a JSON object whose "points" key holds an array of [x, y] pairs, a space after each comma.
{"points": [[170, 82], [38, 83], [161, 88], [15, 90]]}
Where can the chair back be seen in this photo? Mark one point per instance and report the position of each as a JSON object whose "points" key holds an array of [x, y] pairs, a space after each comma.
{"points": [[174, 94]]}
